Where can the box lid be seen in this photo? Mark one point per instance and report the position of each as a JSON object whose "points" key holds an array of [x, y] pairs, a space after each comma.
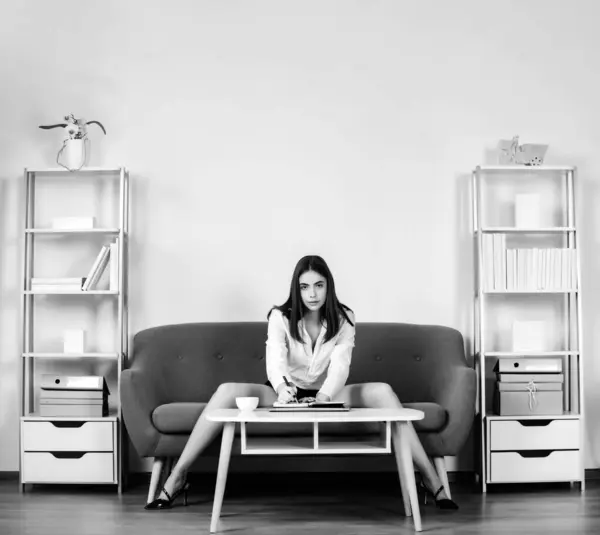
{"points": [[73, 382], [529, 387]]}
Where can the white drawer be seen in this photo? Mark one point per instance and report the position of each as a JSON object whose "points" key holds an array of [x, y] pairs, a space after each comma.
{"points": [[76, 436], [44, 467], [515, 435], [511, 466]]}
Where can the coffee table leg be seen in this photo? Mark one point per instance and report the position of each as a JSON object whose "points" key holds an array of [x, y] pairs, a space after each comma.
{"points": [[406, 472], [405, 496], [226, 442]]}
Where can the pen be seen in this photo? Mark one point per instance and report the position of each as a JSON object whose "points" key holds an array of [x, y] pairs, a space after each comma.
{"points": [[287, 383]]}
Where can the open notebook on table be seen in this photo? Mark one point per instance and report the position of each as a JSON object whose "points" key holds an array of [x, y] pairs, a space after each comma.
{"points": [[301, 405]]}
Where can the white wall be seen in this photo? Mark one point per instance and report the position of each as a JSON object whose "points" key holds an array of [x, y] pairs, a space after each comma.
{"points": [[258, 132]]}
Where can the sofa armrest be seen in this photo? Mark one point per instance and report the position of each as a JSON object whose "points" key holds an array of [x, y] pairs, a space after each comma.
{"points": [[139, 397], [456, 392]]}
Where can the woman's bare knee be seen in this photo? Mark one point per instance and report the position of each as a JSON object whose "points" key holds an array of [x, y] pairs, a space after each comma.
{"points": [[373, 395], [381, 394], [228, 390], [380, 389]]}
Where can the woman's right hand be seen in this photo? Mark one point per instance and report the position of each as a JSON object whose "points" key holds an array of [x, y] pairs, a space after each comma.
{"points": [[285, 393]]}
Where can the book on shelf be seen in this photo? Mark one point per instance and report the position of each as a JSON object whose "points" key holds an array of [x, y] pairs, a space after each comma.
{"points": [[532, 268], [57, 284], [97, 268], [73, 223], [57, 280], [107, 256]]}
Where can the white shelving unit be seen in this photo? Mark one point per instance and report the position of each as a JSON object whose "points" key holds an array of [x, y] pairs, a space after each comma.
{"points": [[527, 448], [73, 450]]}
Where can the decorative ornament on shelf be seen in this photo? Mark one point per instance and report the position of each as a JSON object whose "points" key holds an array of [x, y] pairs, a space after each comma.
{"points": [[513, 153], [75, 148]]}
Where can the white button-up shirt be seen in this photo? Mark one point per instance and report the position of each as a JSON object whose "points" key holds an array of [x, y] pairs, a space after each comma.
{"points": [[325, 369]]}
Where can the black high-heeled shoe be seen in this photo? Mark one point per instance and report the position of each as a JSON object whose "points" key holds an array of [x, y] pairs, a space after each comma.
{"points": [[444, 503], [160, 503]]}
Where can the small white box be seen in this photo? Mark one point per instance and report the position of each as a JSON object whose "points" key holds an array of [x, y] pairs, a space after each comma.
{"points": [[73, 222], [74, 340], [528, 210], [528, 336]]}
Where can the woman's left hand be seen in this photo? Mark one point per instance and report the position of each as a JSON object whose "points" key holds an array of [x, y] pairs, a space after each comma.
{"points": [[322, 397]]}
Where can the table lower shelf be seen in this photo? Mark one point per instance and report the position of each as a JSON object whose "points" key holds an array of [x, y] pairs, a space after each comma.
{"points": [[316, 443]]}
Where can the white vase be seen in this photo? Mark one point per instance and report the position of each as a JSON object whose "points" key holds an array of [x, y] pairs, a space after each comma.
{"points": [[74, 154]]}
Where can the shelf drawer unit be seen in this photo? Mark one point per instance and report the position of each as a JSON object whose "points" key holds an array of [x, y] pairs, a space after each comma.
{"points": [[69, 451], [533, 450]]}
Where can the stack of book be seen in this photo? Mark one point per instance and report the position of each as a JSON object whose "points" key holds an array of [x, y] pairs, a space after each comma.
{"points": [[527, 268], [107, 256], [529, 386], [83, 396], [60, 284]]}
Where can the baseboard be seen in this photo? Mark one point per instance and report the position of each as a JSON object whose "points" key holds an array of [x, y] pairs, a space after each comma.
{"points": [[466, 477]]}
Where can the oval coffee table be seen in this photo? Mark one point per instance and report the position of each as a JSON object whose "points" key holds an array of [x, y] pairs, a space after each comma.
{"points": [[394, 423]]}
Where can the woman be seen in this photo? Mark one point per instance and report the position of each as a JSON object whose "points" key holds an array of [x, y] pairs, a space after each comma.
{"points": [[308, 352]]}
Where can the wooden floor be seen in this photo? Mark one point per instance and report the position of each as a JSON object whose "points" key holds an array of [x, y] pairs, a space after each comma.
{"points": [[293, 505]]}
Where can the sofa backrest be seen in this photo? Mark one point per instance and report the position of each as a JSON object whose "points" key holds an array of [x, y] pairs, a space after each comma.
{"points": [[190, 360]]}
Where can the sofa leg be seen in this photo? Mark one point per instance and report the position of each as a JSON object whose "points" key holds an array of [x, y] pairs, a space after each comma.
{"points": [[440, 466], [157, 468]]}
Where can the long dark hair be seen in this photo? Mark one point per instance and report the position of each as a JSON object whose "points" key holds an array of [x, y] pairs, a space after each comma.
{"points": [[293, 309]]}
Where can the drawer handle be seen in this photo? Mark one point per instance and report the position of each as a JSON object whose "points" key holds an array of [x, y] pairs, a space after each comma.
{"points": [[68, 454], [67, 424], [534, 423], [534, 453]]}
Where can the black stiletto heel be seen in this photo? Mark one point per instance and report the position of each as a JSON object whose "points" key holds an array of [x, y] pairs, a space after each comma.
{"points": [[445, 503], [167, 504]]}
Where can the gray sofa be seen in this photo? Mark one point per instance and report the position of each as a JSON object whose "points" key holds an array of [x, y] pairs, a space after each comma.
{"points": [[174, 369]]}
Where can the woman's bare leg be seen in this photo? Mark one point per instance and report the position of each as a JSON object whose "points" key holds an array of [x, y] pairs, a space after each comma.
{"points": [[205, 431], [381, 395]]}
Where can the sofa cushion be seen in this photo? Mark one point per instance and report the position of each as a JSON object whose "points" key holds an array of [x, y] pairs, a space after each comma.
{"points": [[181, 418], [177, 417], [435, 416]]}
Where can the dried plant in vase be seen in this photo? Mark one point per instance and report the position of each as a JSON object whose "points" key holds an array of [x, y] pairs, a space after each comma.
{"points": [[74, 148]]}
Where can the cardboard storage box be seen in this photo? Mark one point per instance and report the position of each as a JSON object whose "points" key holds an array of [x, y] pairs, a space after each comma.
{"points": [[516, 399]]}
